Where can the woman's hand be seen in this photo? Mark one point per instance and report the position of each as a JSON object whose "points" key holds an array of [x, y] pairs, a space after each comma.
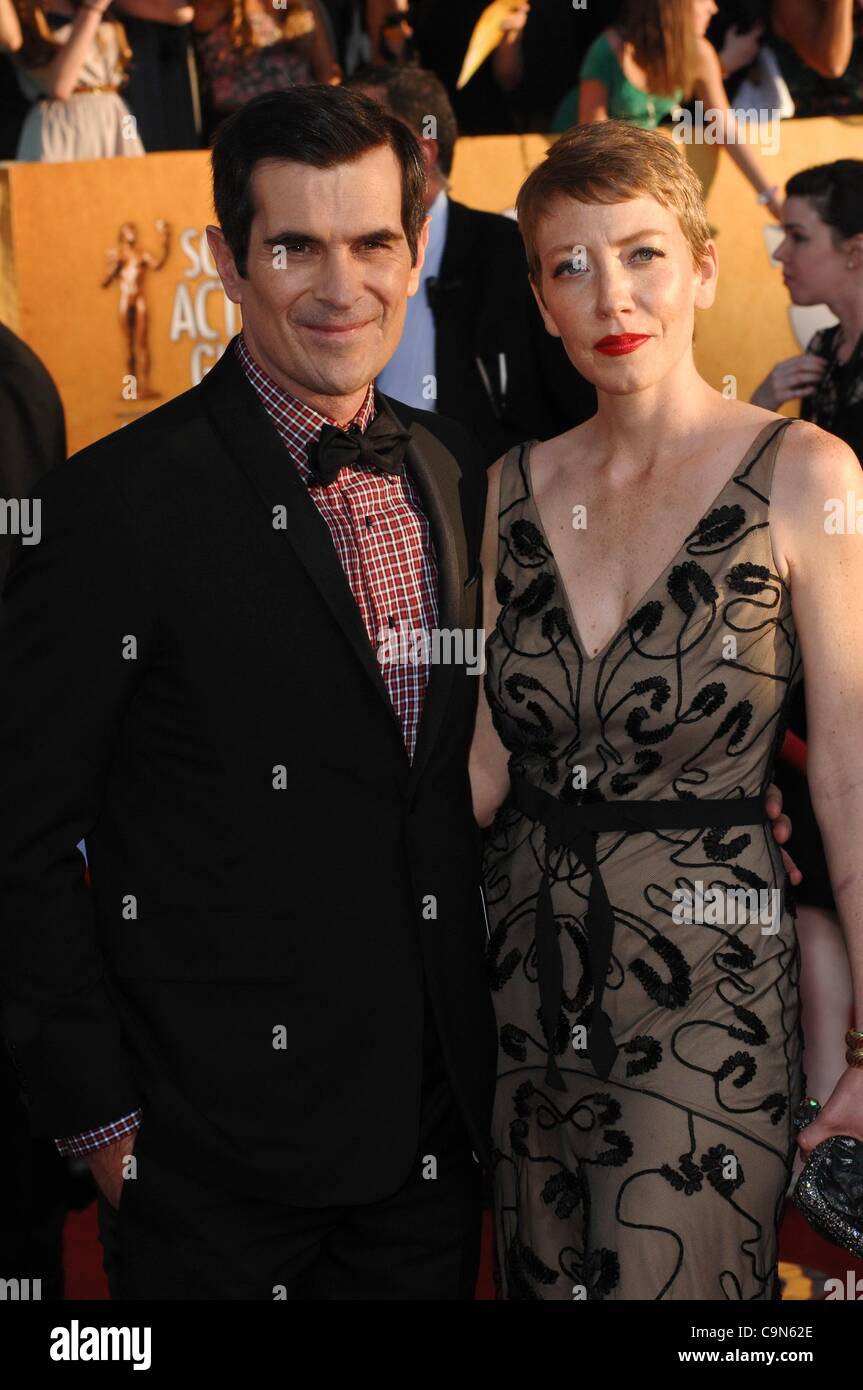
{"points": [[790, 380], [739, 50], [780, 825], [843, 1113]]}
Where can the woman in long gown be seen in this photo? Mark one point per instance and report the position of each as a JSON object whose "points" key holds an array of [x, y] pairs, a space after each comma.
{"points": [[642, 641]]}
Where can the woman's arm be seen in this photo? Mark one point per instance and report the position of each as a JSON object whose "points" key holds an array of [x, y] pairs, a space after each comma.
{"points": [[823, 565], [592, 101], [508, 58], [710, 89], [207, 14], [11, 37], [821, 32], [59, 78], [489, 760], [323, 59], [162, 11]]}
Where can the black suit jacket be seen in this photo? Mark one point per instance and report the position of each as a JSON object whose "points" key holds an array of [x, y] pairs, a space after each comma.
{"points": [[483, 306], [164, 651]]}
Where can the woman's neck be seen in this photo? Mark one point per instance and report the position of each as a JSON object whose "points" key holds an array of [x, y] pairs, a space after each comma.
{"points": [[848, 309]]}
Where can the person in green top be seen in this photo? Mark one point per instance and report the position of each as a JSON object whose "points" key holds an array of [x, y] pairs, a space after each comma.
{"points": [[642, 68], [623, 100]]}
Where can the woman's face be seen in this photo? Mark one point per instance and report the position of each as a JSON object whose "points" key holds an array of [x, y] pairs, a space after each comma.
{"points": [[702, 13], [618, 286], [813, 266]]}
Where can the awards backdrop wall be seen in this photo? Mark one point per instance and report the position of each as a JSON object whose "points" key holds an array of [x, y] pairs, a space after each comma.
{"points": [[105, 270]]}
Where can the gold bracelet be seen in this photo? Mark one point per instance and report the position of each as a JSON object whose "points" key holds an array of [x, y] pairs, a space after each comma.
{"points": [[854, 1056], [853, 1038]]}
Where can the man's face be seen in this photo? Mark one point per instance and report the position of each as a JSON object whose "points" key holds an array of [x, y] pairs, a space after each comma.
{"points": [[328, 272]]}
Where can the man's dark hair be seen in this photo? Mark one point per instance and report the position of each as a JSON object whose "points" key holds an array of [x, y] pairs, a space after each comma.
{"points": [[318, 125], [415, 94], [372, 75]]}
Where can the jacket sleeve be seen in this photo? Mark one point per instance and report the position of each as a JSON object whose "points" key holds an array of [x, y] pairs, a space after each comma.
{"points": [[69, 603]]}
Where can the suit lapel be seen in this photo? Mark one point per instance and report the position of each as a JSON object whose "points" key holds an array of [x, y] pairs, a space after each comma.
{"points": [[438, 477], [254, 444]]}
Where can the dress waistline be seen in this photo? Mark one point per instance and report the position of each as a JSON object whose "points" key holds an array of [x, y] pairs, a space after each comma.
{"points": [[575, 827]]}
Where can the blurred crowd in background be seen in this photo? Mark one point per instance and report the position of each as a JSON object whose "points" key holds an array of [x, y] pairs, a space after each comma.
{"points": [[73, 71]]}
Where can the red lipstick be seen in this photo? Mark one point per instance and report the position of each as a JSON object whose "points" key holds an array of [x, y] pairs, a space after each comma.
{"points": [[617, 344]]}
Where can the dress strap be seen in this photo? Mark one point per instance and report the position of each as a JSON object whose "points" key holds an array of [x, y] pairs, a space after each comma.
{"points": [[756, 471], [514, 492]]}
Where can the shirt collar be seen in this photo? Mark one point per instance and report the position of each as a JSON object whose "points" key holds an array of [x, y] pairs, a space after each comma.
{"points": [[297, 423]]}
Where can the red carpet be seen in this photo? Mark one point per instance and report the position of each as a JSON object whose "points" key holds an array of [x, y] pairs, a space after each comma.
{"points": [[798, 1245]]}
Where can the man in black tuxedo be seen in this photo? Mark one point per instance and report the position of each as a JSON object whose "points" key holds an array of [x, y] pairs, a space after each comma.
{"points": [[474, 325], [269, 1013]]}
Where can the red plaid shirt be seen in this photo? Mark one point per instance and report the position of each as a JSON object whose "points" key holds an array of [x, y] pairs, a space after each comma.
{"points": [[381, 535], [382, 538]]}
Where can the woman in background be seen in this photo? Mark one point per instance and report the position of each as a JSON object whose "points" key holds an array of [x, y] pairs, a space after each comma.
{"points": [[72, 57], [641, 69], [822, 262], [246, 47]]}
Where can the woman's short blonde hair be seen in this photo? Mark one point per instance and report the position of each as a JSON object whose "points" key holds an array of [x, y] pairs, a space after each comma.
{"points": [[613, 162]]}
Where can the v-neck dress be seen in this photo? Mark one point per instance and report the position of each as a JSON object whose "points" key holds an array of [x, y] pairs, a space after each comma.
{"points": [[664, 1178]]}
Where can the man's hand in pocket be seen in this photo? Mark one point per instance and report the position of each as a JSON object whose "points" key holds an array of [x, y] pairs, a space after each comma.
{"points": [[107, 1166]]}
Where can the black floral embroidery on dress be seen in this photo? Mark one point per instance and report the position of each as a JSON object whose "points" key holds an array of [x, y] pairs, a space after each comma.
{"points": [[503, 587], [651, 1050], [720, 852], [565, 1192], [739, 718], [600, 1273], [525, 1268], [687, 1178], [718, 526], [776, 1105], [754, 1033], [645, 622], [535, 597], [527, 540], [513, 1042], [713, 1164], [747, 578], [681, 582], [741, 1062], [673, 993]]}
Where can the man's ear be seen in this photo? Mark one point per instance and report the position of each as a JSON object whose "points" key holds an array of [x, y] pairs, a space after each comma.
{"points": [[431, 151], [422, 243], [550, 325], [232, 280]]}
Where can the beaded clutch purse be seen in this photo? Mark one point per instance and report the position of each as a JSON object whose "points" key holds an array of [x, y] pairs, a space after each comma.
{"points": [[829, 1191]]}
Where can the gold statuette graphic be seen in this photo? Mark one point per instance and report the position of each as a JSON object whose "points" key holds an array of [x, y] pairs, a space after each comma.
{"points": [[128, 264]]}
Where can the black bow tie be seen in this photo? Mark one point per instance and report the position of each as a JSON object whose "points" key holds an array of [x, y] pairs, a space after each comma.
{"points": [[382, 448]]}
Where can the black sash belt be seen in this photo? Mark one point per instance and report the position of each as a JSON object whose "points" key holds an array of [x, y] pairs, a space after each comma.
{"points": [[575, 827]]}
